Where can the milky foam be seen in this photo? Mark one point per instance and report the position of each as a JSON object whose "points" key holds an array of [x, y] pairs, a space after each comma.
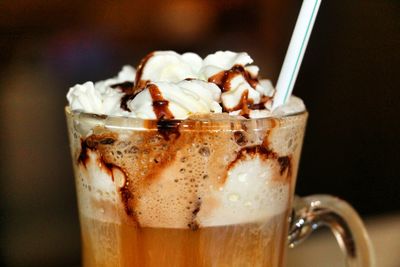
{"points": [[252, 193], [202, 178]]}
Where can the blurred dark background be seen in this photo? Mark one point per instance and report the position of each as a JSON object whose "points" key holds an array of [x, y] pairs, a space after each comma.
{"points": [[349, 81]]}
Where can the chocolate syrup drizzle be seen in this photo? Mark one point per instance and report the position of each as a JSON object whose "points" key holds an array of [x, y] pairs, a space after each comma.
{"points": [[285, 162], [223, 80], [166, 125], [92, 143], [160, 105], [125, 87], [139, 84], [128, 89], [193, 224], [168, 128]]}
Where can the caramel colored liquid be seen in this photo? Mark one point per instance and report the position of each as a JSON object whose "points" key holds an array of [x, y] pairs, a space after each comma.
{"points": [[121, 245]]}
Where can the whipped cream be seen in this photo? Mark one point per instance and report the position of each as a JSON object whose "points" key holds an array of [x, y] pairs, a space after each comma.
{"points": [[101, 97], [169, 66], [168, 85], [184, 99]]}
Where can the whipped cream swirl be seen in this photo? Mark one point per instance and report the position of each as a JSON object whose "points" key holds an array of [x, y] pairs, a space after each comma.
{"points": [[184, 98], [101, 97], [168, 85]]}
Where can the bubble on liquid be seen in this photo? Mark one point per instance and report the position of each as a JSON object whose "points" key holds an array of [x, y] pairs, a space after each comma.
{"points": [[204, 151], [240, 138], [226, 159], [234, 197]]}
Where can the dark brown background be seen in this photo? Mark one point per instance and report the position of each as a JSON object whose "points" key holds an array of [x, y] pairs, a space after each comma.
{"points": [[349, 81]]}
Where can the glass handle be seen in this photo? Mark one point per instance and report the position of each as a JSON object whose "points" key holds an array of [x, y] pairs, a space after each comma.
{"points": [[312, 212]]}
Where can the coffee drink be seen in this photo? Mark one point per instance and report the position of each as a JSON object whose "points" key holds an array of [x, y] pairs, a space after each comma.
{"points": [[164, 182]]}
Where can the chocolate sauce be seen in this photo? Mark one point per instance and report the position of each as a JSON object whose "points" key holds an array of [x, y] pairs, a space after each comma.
{"points": [[139, 84], [253, 150], [124, 101], [223, 79], [248, 151], [127, 197], [274, 123], [240, 138], [91, 143], [243, 105], [125, 87], [128, 89], [160, 105], [193, 224], [167, 128], [107, 141], [83, 156], [286, 164], [166, 125], [258, 106], [109, 166], [99, 143]]}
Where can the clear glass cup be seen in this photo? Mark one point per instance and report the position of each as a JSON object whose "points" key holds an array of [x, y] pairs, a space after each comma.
{"points": [[206, 191]]}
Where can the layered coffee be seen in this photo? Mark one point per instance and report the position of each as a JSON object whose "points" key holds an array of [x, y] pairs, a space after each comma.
{"points": [[174, 167]]}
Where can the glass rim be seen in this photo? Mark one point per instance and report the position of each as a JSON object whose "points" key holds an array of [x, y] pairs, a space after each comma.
{"points": [[232, 118], [211, 123]]}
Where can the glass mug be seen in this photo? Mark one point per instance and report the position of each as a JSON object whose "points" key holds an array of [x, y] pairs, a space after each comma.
{"points": [[198, 192]]}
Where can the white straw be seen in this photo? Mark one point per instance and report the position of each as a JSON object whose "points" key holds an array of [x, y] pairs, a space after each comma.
{"points": [[295, 52]]}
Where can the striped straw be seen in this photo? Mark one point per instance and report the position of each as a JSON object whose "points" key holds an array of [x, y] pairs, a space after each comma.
{"points": [[295, 52]]}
